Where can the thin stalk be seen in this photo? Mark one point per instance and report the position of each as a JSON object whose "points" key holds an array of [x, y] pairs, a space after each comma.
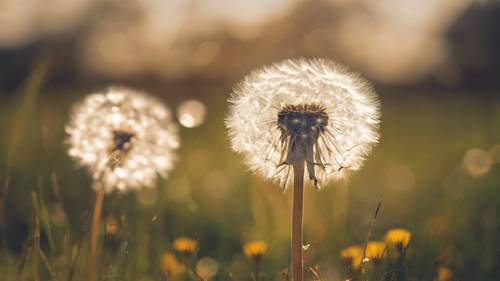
{"points": [[187, 264], [257, 268], [368, 236], [96, 218], [297, 212]]}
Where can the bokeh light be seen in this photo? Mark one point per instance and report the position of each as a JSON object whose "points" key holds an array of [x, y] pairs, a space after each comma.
{"points": [[477, 162], [191, 113]]}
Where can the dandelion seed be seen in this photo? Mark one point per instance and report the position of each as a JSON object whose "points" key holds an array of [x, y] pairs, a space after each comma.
{"points": [[255, 249], [185, 245], [352, 256], [303, 110], [398, 237], [125, 138]]}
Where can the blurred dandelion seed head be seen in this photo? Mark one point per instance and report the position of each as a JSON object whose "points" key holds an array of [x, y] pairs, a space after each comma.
{"points": [[398, 237], [477, 162], [255, 249], [352, 256], [207, 268], [124, 137], [185, 245], [295, 110]]}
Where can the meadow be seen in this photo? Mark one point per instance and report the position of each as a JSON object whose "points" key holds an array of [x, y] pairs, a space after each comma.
{"points": [[435, 173], [422, 202]]}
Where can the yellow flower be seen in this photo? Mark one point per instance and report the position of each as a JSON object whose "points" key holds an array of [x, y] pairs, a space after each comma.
{"points": [[375, 250], [185, 245], [398, 237], [444, 273], [255, 249], [171, 265], [352, 255]]}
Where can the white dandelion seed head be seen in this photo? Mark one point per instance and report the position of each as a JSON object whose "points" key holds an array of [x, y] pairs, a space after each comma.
{"points": [[125, 138], [351, 108]]}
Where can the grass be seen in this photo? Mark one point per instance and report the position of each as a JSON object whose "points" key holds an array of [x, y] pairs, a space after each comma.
{"points": [[46, 203]]}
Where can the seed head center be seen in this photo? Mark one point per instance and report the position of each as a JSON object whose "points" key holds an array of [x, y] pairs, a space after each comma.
{"points": [[300, 126], [122, 140], [302, 120]]}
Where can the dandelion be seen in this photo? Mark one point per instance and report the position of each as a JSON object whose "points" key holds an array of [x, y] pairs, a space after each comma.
{"points": [[301, 114], [399, 238], [352, 256], [185, 245], [444, 273], [314, 111], [171, 265], [125, 139], [375, 250], [255, 250], [206, 268]]}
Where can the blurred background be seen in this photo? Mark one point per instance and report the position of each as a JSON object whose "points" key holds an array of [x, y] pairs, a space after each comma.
{"points": [[434, 63]]}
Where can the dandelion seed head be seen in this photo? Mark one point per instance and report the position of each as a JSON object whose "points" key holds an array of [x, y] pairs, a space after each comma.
{"points": [[477, 162], [314, 104], [124, 137], [207, 268]]}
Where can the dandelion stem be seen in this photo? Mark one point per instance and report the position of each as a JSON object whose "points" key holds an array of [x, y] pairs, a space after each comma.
{"points": [[298, 205], [96, 217], [257, 269]]}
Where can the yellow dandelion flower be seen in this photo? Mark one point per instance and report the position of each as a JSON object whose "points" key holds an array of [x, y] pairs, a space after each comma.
{"points": [[185, 245], [171, 265], [375, 250], [444, 273], [352, 256], [255, 249], [399, 237]]}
